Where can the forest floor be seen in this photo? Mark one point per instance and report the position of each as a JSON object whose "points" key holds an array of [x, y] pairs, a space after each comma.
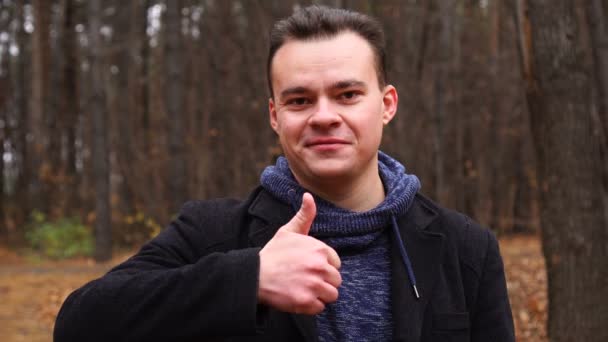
{"points": [[32, 290]]}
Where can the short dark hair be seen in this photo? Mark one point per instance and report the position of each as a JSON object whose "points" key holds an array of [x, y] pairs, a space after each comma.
{"points": [[318, 22]]}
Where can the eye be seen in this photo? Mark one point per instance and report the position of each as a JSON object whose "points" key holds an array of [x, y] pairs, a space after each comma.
{"points": [[349, 95], [297, 101]]}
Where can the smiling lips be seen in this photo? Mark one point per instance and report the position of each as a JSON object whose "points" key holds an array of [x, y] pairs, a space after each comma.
{"points": [[325, 143]]}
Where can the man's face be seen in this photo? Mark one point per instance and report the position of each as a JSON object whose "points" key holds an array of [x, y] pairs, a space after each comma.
{"points": [[328, 108]]}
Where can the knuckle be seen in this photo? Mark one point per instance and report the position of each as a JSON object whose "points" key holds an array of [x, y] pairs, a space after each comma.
{"points": [[333, 295], [317, 308], [281, 234], [302, 300], [315, 264], [316, 285], [312, 308], [333, 276], [315, 267]]}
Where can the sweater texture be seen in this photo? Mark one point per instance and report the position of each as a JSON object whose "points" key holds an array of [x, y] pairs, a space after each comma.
{"points": [[362, 311]]}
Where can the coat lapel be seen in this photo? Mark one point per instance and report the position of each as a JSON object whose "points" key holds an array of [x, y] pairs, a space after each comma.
{"points": [[273, 214], [424, 249]]}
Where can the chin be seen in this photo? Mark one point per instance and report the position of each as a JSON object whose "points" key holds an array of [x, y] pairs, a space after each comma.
{"points": [[323, 168], [326, 171]]}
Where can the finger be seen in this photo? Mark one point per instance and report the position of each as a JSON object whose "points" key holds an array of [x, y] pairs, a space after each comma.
{"points": [[332, 276], [313, 308], [328, 293], [333, 258], [302, 221]]}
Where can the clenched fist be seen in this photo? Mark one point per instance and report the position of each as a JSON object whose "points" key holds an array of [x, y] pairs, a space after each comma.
{"points": [[298, 273]]}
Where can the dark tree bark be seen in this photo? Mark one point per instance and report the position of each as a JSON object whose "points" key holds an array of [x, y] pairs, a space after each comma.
{"points": [[443, 105], [39, 100], [145, 77], [134, 140], [575, 242], [220, 29], [4, 82], [596, 12], [489, 171], [3, 229], [23, 147], [69, 107], [125, 110], [99, 119], [175, 104], [53, 118]]}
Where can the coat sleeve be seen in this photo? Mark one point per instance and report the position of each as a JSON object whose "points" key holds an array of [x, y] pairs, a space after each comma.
{"points": [[492, 319], [179, 286]]}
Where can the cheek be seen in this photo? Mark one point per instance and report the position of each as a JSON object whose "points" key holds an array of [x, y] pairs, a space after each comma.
{"points": [[291, 129], [369, 128], [369, 124]]}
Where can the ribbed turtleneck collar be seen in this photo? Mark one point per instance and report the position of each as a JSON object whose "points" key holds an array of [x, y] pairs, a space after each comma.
{"points": [[335, 221]]}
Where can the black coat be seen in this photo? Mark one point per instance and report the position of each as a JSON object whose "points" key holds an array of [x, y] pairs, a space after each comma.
{"points": [[197, 281]]}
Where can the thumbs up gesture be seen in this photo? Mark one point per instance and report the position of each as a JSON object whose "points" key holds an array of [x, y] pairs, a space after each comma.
{"points": [[298, 273]]}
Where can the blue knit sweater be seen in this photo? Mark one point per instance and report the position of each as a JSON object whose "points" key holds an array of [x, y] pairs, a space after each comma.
{"points": [[362, 311]]}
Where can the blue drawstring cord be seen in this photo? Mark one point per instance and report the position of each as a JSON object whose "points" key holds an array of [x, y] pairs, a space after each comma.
{"points": [[404, 257]]}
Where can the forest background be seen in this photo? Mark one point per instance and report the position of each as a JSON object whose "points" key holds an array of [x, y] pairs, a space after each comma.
{"points": [[114, 113], [183, 99]]}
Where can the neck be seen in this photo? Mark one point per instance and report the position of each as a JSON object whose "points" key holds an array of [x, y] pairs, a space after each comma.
{"points": [[358, 195]]}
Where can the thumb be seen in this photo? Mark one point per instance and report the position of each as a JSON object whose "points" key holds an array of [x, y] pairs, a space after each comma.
{"points": [[302, 221]]}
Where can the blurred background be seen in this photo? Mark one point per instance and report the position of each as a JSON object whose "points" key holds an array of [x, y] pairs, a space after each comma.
{"points": [[183, 99], [113, 113]]}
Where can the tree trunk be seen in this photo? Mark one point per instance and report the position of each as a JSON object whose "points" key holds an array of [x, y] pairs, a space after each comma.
{"points": [[596, 12], [5, 79], [126, 109], [69, 107], [99, 118], [40, 87], [574, 233], [23, 147], [135, 164], [489, 169], [4, 128], [175, 105], [442, 96], [144, 88], [599, 34], [446, 145], [53, 117]]}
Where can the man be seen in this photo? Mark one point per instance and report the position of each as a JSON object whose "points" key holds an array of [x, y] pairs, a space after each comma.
{"points": [[335, 245]]}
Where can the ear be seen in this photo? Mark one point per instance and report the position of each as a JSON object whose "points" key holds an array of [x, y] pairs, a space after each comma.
{"points": [[272, 112], [390, 99]]}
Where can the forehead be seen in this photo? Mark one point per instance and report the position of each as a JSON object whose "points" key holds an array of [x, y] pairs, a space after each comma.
{"points": [[325, 60]]}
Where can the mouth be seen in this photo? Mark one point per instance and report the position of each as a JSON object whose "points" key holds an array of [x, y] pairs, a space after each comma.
{"points": [[325, 142]]}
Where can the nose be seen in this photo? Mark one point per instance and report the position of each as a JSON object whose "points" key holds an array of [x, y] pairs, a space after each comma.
{"points": [[325, 115]]}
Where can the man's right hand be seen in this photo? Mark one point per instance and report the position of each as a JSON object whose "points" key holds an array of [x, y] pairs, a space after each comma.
{"points": [[298, 273]]}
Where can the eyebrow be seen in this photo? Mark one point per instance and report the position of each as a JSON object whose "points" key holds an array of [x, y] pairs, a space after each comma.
{"points": [[336, 85], [292, 91], [347, 84]]}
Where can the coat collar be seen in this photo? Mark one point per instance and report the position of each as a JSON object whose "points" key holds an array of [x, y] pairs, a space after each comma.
{"points": [[272, 214], [424, 248]]}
